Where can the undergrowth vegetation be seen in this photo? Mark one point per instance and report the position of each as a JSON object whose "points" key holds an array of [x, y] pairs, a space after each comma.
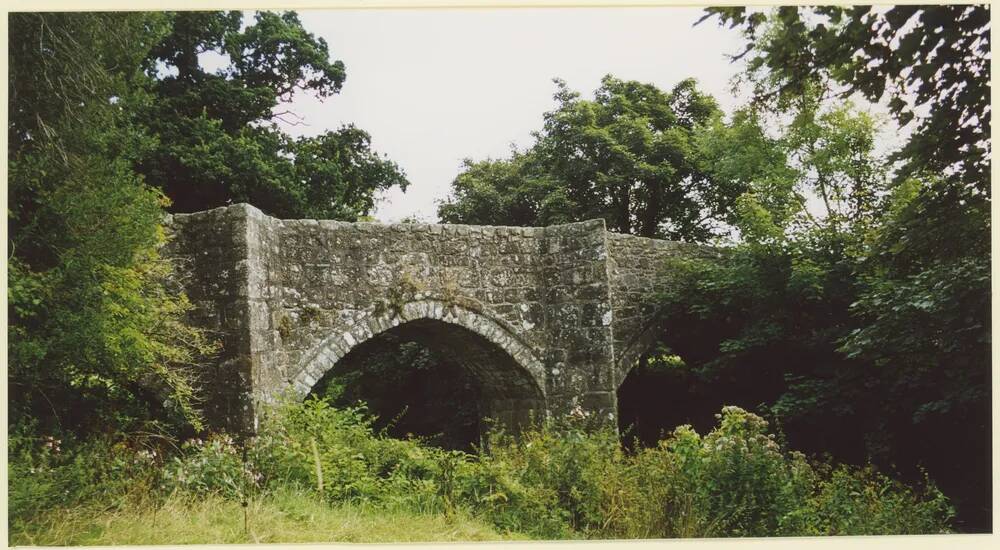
{"points": [[326, 471]]}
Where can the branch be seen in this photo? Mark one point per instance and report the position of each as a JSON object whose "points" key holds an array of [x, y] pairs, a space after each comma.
{"points": [[298, 122]]}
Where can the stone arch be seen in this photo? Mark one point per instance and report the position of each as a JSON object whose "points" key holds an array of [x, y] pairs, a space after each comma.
{"points": [[325, 355], [636, 347]]}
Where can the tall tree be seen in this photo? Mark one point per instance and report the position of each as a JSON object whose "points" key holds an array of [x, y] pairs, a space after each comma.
{"points": [[903, 282], [93, 328], [627, 156], [217, 131], [771, 316]]}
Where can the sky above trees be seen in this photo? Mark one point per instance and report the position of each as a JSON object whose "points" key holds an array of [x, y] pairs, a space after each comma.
{"points": [[435, 86]]}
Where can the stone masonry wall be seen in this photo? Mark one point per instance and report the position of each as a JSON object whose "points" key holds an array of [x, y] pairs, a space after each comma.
{"points": [[636, 266], [580, 351], [210, 252], [555, 307]]}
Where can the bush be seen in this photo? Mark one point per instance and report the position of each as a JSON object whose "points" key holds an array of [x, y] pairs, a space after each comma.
{"points": [[550, 480], [214, 466], [864, 502], [46, 472], [735, 481], [558, 479], [738, 475]]}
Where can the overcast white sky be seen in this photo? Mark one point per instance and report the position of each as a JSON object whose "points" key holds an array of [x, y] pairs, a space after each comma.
{"points": [[435, 86]]}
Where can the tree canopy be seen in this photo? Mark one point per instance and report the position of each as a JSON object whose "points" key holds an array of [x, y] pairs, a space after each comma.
{"points": [[933, 59], [113, 119], [628, 156], [95, 333], [867, 314], [218, 133]]}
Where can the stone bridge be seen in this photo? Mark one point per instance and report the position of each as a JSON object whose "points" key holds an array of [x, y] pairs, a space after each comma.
{"points": [[546, 318]]}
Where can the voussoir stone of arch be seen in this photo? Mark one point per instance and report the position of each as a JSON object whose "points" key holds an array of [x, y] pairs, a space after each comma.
{"points": [[567, 309], [327, 352]]}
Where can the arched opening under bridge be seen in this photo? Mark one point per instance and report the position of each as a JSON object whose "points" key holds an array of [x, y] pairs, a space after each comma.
{"points": [[447, 381]]}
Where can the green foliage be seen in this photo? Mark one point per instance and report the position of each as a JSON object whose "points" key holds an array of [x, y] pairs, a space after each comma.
{"points": [[96, 336], [811, 170], [299, 444], [738, 475], [46, 472], [105, 109], [505, 192], [558, 479], [214, 466], [913, 57], [628, 156], [861, 501], [827, 337], [217, 136], [561, 467], [858, 294]]}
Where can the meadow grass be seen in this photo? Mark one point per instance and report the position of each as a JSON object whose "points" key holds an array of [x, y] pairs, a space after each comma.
{"points": [[285, 516]]}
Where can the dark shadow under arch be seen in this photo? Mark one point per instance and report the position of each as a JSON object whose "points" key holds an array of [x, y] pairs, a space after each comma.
{"points": [[656, 388], [436, 379]]}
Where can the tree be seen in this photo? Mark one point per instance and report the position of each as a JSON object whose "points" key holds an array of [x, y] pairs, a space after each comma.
{"points": [[102, 106], [627, 156], [867, 342], [217, 134], [763, 326], [507, 192], [94, 330], [893, 293], [914, 57]]}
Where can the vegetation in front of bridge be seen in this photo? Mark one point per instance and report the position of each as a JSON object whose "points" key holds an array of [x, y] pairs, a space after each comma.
{"points": [[563, 479]]}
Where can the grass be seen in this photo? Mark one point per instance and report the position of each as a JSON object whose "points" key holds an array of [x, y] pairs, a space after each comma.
{"points": [[285, 517]]}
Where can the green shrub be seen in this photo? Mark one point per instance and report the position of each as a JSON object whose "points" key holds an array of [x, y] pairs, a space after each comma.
{"points": [[558, 479], [335, 452], [215, 466], [740, 479], [557, 473], [495, 490], [45, 472], [864, 502]]}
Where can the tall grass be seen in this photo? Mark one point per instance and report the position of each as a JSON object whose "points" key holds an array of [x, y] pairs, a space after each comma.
{"points": [[320, 474], [283, 516]]}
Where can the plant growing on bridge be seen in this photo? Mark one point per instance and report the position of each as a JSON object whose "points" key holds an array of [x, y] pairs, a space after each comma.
{"points": [[404, 290]]}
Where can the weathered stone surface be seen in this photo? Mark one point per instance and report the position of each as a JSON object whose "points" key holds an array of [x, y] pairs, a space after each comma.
{"points": [[547, 318]]}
